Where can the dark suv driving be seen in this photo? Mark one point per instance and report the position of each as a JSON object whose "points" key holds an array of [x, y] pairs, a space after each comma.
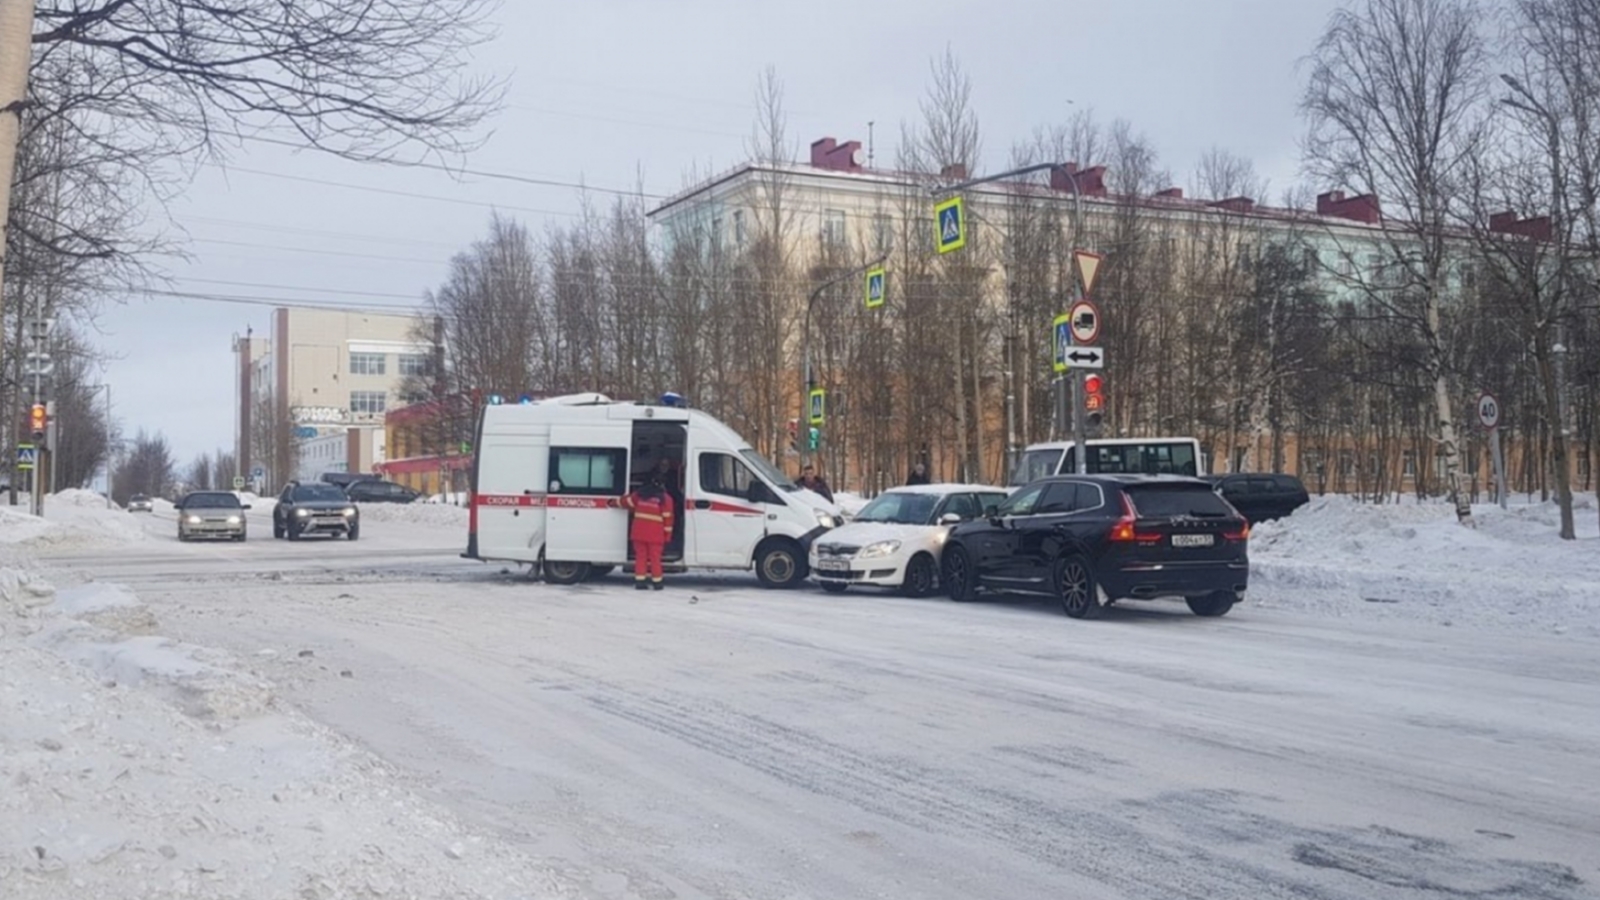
{"points": [[1096, 539], [315, 509]]}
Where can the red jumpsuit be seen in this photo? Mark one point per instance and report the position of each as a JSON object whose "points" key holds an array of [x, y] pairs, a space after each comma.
{"points": [[650, 531]]}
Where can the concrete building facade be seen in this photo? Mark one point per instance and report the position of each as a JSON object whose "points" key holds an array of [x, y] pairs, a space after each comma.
{"points": [[314, 392]]}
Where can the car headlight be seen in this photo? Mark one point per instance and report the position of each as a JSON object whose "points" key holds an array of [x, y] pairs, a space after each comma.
{"points": [[350, 512], [233, 520], [881, 548], [825, 520], [194, 520], [302, 512]]}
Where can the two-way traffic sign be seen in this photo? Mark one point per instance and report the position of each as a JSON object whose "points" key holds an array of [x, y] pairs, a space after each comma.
{"points": [[1086, 358]]}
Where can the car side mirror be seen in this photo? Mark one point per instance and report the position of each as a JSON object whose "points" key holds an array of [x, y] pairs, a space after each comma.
{"points": [[949, 518], [992, 512], [245, 506]]}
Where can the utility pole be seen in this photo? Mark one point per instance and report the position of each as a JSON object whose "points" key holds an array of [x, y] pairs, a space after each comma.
{"points": [[16, 52]]}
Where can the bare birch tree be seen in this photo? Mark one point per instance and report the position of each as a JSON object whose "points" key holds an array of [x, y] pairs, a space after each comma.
{"points": [[1393, 109]]}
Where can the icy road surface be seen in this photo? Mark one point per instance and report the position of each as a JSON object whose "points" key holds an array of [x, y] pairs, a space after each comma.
{"points": [[717, 740]]}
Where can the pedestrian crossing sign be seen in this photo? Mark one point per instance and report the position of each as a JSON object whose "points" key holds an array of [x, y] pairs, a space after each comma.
{"points": [[819, 406], [27, 455], [950, 225], [875, 288]]}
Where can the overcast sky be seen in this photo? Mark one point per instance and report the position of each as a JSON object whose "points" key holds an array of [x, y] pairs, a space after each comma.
{"points": [[602, 90]]}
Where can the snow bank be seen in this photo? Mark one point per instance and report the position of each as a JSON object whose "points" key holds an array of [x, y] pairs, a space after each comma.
{"points": [[119, 784], [1413, 561], [73, 518], [425, 514]]}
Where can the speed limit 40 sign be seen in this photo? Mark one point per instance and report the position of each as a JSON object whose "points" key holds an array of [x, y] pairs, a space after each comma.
{"points": [[1488, 411]]}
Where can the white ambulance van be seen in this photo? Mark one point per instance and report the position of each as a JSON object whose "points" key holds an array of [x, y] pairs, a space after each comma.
{"points": [[545, 471]]}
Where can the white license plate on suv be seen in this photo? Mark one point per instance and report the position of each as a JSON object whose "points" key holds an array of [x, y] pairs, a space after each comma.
{"points": [[1193, 540], [833, 565]]}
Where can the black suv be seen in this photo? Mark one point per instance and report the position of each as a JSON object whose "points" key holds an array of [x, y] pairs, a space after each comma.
{"points": [[371, 490], [315, 509], [1261, 497], [1092, 540]]}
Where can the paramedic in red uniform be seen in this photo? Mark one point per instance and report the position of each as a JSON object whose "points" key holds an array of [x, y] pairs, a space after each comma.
{"points": [[650, 531]]}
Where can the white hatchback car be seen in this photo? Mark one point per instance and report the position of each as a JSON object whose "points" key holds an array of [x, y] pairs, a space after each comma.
{"points": [[895, 540]]}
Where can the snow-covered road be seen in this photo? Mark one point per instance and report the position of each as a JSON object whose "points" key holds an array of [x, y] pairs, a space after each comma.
{"points": [[717, 740]]}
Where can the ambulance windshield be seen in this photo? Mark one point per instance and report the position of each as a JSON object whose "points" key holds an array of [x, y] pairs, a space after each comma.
{"points": [[767, 470]]}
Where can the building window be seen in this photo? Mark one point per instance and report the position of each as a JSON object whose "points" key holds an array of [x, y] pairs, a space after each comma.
{"points": [[1583, 467], [1347, 464], [739, 234], [1311, 259], [716, 229], [410, 364], [1408, 464], [368, 364], [833, 227], [368, 401], [883, 233], [413, 397]]}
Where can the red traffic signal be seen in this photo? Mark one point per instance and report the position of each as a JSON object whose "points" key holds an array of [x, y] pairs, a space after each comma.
{"points": [[38, 418], [1092, 384]]}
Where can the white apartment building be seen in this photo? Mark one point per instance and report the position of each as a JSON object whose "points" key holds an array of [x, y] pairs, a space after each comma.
{"points": [[327, 377]]}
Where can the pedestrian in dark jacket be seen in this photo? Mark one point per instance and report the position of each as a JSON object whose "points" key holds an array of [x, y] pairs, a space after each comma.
{"points": [[650, 531], [919, 474], [811, 481]]}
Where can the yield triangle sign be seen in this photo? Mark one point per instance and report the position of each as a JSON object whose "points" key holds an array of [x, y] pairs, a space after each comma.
{"points": [[1088, 267]]}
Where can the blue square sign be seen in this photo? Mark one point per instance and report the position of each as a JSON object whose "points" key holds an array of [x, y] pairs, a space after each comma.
{"points": [[875, 288], [951, 225], [1062, 341]]}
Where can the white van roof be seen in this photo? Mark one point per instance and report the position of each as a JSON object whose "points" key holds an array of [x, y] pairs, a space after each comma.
{"points": [[1105, 442]]}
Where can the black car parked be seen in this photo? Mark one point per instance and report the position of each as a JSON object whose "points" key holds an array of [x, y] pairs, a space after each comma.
{"points": [[315, 509], [374, 491], [1093, 540], [1261, 497]]}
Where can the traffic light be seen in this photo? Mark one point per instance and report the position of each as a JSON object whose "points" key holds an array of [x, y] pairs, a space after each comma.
{"points": [[38, 419], [814, 438], [1094, 404], [794, 434]]}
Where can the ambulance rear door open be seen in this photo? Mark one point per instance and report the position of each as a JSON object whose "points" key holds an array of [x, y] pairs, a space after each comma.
{"points": [[508, 499], [588, 466]]}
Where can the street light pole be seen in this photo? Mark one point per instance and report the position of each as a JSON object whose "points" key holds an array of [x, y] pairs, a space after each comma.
{"points": [[1079, 425]]}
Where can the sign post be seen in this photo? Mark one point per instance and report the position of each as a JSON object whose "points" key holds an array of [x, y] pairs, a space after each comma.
{"points": [[1084, 320], [1489, 418]]}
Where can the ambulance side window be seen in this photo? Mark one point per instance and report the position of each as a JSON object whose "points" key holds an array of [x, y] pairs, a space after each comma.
{"points": [[724, 474], [592, 471]]}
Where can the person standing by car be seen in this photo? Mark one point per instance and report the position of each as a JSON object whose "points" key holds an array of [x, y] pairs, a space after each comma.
{"points": [[919, 475], [650, 531], [811, 481]]}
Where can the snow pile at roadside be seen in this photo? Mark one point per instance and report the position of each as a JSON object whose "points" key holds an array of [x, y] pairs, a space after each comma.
{"points": [[426, 514], [1413, 561], [139, 767], [72, 517], [451, 499], [257, 504]]}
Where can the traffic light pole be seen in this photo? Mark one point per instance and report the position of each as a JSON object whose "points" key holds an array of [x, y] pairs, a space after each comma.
{"points": [[807, 377]]}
